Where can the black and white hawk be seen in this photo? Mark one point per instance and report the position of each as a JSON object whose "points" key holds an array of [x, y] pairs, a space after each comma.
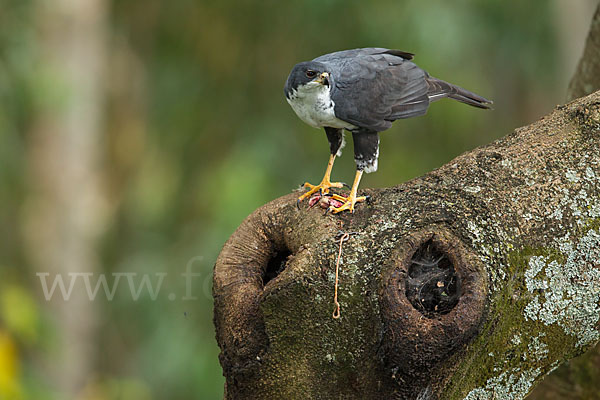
{"points": [[363, 91]]}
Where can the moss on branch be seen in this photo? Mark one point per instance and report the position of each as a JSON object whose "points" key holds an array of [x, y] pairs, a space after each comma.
{"points": [[515, 221]]}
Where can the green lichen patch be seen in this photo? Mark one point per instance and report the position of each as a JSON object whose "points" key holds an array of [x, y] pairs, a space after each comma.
{"points": [[510, 385], [538, 347], [548, 312], [567, 293]]}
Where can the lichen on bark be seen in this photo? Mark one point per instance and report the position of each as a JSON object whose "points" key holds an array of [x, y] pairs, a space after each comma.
{"points": [[516, 221]]}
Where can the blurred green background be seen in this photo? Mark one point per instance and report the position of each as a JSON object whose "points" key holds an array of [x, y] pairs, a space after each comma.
{"points": [[136, 135]]}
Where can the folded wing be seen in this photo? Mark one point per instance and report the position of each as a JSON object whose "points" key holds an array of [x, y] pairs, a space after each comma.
{"points": [[373, 87]]}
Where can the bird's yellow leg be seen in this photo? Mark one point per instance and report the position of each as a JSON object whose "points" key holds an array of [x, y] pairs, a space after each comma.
{"points": [[325, 183], [352, 199]]}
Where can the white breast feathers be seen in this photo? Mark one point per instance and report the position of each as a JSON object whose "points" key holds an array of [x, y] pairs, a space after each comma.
{"points": [[313, 104]]}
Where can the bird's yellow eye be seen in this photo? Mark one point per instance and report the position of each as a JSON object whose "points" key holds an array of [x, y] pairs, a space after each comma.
{"points": [[310, 73]]}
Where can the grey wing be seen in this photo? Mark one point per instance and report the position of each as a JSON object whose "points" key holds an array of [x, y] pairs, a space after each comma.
{"points": [[367, 51], [371, 91]]}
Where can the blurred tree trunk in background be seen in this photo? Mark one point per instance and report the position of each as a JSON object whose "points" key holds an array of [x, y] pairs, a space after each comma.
{"points": [[572, 25], [64, 210], [587, 76]]}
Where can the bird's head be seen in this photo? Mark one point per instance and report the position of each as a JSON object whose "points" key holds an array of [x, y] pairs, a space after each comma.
{"points": [[307, 75]]}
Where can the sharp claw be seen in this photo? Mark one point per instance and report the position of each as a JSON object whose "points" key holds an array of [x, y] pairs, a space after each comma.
{"points": [[346, 185], [298, 203]]}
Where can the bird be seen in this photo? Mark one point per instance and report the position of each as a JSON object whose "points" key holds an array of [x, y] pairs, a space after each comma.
{"points": [[363, 91]]}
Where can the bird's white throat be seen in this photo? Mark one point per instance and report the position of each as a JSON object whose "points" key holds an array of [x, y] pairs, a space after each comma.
{"points": [[312, 103]]}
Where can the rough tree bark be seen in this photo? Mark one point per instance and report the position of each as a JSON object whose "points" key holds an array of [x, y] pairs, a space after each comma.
{"points": [[515, 292], [471, 282]]}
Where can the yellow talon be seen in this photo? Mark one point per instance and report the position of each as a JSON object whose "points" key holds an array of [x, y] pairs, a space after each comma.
{"points": [[348, 205], [339, 198], [325, 184], [324, 187], [351, 200]]}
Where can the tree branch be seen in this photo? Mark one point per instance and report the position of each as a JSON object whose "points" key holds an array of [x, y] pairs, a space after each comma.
{"points": [[473, 281]]}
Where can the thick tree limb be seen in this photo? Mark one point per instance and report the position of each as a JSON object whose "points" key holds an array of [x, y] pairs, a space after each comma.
{"points": [[587, 76], [515, 226]]}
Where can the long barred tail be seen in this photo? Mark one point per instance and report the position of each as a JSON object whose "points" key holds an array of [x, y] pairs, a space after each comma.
{"points": [[438, 89]]}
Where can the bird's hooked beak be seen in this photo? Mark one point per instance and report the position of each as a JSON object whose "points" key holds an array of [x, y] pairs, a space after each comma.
{"points": [[323, 79]]}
